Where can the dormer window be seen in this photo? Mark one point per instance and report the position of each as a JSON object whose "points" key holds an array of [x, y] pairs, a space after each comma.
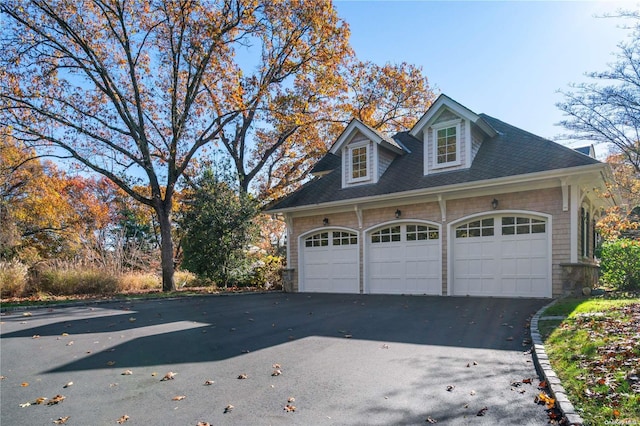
{"points": [[359, 163], [446, 145]]}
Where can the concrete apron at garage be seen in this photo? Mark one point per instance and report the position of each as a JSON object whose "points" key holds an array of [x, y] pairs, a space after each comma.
{"points": [[346, 359]]}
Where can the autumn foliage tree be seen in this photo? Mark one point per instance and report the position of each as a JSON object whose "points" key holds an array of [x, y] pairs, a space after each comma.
{"points": [[45, 212], [134, 90], [303, 121], [139, 91]]}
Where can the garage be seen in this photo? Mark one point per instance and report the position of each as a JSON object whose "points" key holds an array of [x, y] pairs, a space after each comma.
{"points": [[504, 255], [404, 259], [330, 262]]}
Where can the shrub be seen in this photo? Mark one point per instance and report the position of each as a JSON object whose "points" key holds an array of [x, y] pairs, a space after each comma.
{"points": [[13, 278], [268, 273], [620, 264]]}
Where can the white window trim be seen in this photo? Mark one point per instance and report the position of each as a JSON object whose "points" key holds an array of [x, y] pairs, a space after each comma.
{"points": [[434, 133], [367, 177]]}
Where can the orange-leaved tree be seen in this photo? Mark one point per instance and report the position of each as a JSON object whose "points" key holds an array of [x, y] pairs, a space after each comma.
{"points": [[44, 212], [621, 220], [135, 90]]}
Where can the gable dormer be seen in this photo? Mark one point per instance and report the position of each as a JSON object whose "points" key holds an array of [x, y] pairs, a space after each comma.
{"points": [[451, 134], [365, 153]]}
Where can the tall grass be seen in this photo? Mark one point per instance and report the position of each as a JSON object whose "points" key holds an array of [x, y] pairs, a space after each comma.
{"points": [[64, 278], [13, 278], [68, 279], [138, 281]]}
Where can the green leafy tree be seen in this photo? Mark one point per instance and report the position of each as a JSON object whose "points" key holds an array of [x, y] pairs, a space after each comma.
{"points": [[218, 226]]}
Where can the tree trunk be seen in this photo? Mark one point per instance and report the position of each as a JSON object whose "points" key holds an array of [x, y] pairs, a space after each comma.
{"points": [[166, 249]]}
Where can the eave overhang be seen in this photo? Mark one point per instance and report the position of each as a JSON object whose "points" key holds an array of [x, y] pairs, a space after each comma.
{"points": [[580, 175]]}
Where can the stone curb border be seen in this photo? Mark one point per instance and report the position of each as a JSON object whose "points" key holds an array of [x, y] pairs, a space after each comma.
{"points": [[543, 365]]}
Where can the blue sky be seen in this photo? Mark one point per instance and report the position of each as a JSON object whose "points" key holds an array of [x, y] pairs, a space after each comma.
{"points": [[507, 59]]}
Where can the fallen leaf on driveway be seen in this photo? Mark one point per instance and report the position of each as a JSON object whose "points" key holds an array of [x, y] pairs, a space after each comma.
{"points": [[40, 400], [385, 346], [276, 373], [178, 398], [27, 314], [26, 404], [291, 399], [203, 424], [228, 408], [289, 408], [431, 420], [209, 382], [62, 420], [3, 377], [70, 343], [242, 376], [482, 412], [56, 399], [68, 384], [126, 373], [472, 393], [36, 336], [24, 384], [111, 363], [169, 376], [450, 388], [543, 398], [123, 419], [276, 366]]}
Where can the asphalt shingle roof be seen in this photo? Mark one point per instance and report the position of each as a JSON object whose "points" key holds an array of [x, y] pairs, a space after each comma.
{"points": [[511, 152]]}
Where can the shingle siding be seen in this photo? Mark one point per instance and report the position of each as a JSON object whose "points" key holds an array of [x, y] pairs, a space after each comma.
{"points": [[476, 140], [384, 160]]}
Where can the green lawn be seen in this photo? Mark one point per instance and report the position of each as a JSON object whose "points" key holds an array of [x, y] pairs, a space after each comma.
{"points": [[596, 353]]}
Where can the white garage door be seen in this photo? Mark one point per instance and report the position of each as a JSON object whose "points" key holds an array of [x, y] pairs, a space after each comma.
{"points": [[404, 259], [330, 263], [502, 255]]}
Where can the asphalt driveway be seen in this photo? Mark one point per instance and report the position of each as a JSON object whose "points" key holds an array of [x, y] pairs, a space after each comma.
{"points": [[346, 359]]}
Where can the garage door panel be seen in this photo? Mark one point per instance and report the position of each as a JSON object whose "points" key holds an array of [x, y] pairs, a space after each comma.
{"points": [[409, 265], [331, 263], [491, 286], [524, 267], [509, 258]]}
